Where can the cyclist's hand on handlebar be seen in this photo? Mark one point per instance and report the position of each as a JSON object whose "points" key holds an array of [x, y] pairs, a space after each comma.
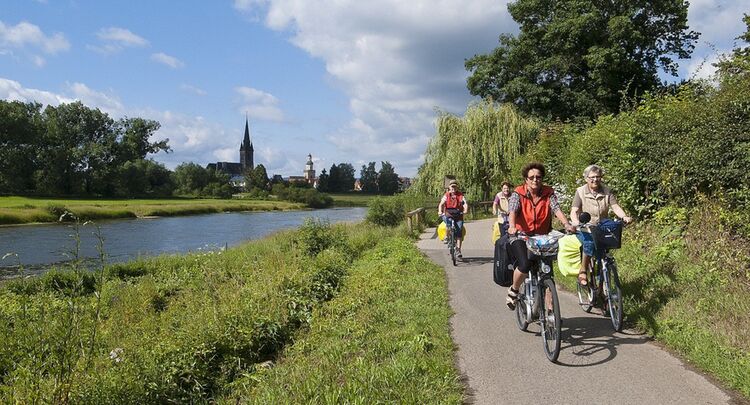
{"points": [[627, 219], [571, 228]]}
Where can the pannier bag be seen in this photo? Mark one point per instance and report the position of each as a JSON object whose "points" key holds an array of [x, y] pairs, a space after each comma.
{"points": [[607, 234], [569, 255], [442, 231], [498, 230], [502, 269]]}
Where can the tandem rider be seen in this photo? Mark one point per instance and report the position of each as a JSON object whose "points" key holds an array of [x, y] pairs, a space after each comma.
{"points": [[453, 205]]}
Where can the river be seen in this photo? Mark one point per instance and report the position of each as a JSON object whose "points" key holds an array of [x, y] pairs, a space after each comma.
{"points": [[36, 247]]}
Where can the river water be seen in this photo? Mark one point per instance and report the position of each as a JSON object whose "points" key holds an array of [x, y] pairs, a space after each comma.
{"points": [[38, 246]]}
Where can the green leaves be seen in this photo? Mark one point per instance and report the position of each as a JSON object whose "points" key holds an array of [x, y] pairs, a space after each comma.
{"points": [[575, 58]]}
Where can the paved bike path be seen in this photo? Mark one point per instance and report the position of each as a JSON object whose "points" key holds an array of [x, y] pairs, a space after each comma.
{"points": [[501, 364]]}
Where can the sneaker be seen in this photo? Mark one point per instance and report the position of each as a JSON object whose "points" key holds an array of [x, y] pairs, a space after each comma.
{"points": [[459, 255]]}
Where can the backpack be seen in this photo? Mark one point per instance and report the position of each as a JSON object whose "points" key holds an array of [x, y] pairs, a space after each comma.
{"points": [[502, 269]]}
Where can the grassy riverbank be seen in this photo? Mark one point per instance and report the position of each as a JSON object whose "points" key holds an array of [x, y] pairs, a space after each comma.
{"points": [[22, 210], [351, 307], [686, 283], [352, 199]]}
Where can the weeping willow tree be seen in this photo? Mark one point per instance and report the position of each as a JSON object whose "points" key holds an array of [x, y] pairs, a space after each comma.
{"points": [[478, 149]]}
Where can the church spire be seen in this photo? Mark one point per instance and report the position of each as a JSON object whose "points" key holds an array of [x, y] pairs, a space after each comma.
{"points": [[246, 149]]}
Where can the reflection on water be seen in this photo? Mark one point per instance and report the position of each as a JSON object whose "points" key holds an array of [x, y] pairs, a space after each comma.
{"points": [[38, 246]]}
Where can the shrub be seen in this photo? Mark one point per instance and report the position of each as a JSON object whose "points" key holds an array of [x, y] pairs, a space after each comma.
{"points": [[386, 211]]}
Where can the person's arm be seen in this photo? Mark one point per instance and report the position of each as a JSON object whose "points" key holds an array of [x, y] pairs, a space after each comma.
{"points": [[575, 209], [466, 206], [621, 213], [440, 206], [496, 205], [513, 205]]}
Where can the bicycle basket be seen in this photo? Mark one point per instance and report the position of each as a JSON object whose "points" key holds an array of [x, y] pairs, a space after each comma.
{"points": [[543, 245], [607, 234]]}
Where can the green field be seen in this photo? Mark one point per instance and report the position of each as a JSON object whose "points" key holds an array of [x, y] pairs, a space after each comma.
{"points": [[353, 199], [22, 210]]}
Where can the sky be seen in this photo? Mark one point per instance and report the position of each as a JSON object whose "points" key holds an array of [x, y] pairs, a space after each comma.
{"points": [[344, 80]]}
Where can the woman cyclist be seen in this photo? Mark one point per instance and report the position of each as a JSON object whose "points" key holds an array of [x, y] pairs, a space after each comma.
{"points": [[530, 210], [453, 205], [596, 199]]}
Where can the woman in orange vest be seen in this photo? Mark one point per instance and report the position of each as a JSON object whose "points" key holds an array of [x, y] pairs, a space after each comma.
{"points": [[530, 211], [453, 205]]}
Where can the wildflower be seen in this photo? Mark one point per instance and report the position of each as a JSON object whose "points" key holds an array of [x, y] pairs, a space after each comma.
{"points": [[116, 354]]}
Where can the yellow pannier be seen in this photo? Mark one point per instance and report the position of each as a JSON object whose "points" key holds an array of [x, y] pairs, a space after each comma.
{"points": [[569, 255]]}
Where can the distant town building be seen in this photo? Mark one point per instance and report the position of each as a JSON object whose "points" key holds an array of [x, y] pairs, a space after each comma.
{"points": [[237, 171], [309, 172], [403, 183]]}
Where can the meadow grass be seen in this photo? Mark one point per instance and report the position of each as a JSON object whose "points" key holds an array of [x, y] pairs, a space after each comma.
{"points": [[21, 210], [200, 327], [686, 283], [384, 339], [353, 199]]}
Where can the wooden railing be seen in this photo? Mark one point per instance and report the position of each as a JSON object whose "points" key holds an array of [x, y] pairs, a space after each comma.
{"points": [[415, 218]]}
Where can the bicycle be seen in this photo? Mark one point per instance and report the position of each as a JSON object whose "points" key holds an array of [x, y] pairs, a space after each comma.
{"points": [[603, 288], [532, 304], [451, 235]]}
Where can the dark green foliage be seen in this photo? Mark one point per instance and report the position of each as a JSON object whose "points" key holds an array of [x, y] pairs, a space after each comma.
{"points": [[257, 178], [72, 149], [387, 179], [386, 211], [324, 182], [579, 58], [368, 178], [341, 178], [302, 194], [191, 179], [316, 235]]}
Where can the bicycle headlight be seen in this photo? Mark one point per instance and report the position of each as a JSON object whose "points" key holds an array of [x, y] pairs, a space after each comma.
{"points": [[546, 268]]}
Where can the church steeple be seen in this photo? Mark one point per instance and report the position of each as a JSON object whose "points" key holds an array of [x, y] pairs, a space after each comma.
{"points": [[246, 149]]}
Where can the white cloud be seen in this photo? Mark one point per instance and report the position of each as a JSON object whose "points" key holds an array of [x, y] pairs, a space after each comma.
{"points": [[719, 22], [259, 104], [106, 102], [165, 59], [396, 60], [30, 38], [11, 90], [114, 39], [193, 89]]}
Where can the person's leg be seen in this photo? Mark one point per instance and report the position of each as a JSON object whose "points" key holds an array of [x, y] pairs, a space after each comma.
{"points": [[518, 252], [587, 250], [459, 233]]}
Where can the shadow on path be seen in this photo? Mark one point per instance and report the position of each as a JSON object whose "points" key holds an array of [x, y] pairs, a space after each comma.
{"points": [[589, 341]]}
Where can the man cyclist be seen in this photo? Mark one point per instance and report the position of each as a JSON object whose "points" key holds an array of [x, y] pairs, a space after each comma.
{"points": [[453, 205]]}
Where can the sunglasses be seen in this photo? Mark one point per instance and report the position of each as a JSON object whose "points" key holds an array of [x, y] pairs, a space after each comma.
{"points": [[595, 177], [534, 178]]}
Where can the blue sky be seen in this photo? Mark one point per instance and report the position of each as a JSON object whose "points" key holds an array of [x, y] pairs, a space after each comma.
{"points": [[345, 80]]}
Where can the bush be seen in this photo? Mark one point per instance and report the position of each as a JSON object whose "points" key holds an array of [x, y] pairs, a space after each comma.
{"points": [[386, 211]]}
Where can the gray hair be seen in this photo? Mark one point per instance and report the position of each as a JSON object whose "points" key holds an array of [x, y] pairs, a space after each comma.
{"points": [[592, 168]]}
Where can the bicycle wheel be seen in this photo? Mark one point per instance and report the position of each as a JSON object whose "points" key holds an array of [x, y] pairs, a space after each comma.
{"points": [[521, 313], [550, 320], [452, 246], [614, 295], [587, 293]]}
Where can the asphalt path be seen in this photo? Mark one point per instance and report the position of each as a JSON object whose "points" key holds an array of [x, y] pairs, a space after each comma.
{"points": [[502, 364]]}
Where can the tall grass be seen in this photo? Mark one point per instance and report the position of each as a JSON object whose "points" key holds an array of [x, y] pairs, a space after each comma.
{"points": [[385, 339], [173, 328]]}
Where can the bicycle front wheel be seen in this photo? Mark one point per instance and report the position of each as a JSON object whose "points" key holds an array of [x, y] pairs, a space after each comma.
{"points": [[522, 316], [614, 295], [550, 320], [452, 245]]}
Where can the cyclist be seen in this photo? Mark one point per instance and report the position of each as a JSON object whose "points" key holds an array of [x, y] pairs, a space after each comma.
{"points": [[530, 210], [596, 199], [500, 205], [454, 205]]}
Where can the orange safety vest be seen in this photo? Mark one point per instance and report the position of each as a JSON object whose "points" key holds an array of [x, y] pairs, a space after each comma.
{"points": [[534, 218], [454, 204]]}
